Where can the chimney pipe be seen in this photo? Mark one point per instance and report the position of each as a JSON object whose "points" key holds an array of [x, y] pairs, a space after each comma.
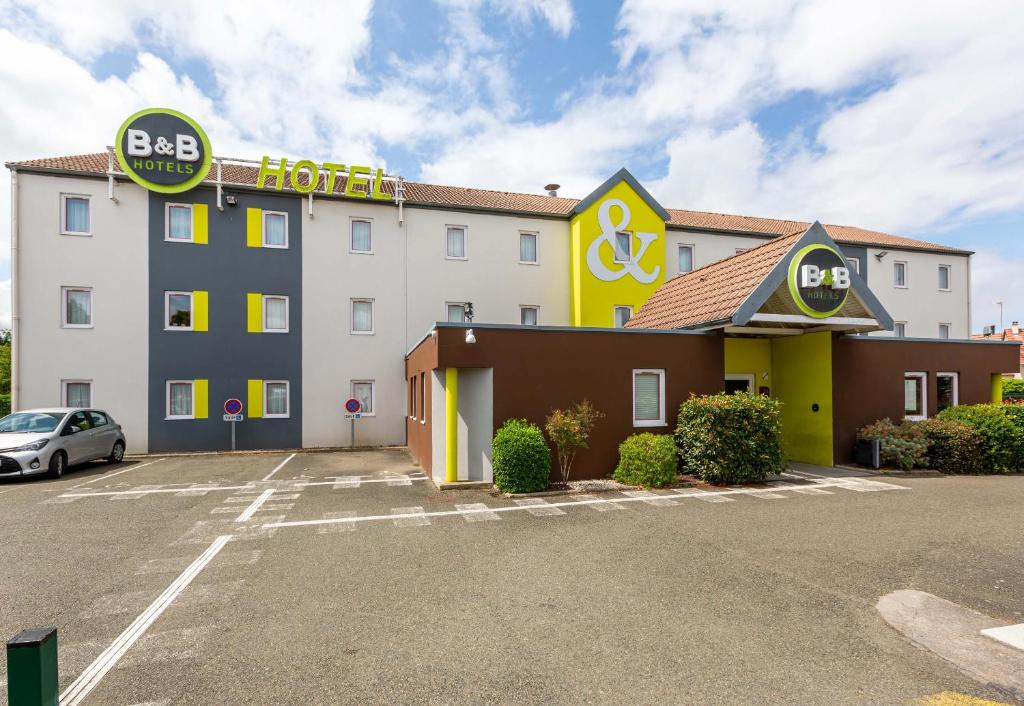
{"points": [[552, 189], [1015, 327]]}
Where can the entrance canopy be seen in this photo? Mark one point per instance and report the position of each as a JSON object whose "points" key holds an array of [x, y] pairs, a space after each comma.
{"points": [[799, 283]]}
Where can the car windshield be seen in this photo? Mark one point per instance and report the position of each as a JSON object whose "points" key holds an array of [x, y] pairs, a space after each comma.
{"points": [[30, 422]]}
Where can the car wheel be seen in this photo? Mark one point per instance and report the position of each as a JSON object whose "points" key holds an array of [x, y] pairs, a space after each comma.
{"points": [[58, 464], [117, 454]]}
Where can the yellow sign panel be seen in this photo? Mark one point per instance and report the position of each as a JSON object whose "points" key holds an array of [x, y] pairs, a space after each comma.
{"points": [[617, 256]]}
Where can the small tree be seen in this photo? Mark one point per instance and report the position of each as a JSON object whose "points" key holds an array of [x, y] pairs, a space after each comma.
{"points": [[569, 430]]}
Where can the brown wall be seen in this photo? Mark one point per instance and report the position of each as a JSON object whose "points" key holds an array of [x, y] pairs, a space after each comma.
{"points": [[867, 378], [537, 370], [421, 361]]}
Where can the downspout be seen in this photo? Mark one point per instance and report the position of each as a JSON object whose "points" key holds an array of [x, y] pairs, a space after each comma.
{"points": [[15, 284], [969, 296]]}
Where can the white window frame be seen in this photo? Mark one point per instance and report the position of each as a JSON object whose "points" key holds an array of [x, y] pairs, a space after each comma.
{"points": [[949, 278], [899, 323], [423, 397], [906, 274], [448, 304], [536, 247], [414, 385], [854, 264], [747, 377], [373, 395], [660, 422], [167, 312], [465, 241], [64, 215], [287, 313], [264, 229], [692, 249], [629, 250], [64, 307], [956, 387], [949, 331], [923, 377], [352, 235], [167, 399], [64, 391], [287, 399], [352, 316], [167, 223], [615, 311], [536, 311]]}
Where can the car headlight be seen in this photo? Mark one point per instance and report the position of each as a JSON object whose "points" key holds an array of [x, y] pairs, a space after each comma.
{"points": [[34, 446]]}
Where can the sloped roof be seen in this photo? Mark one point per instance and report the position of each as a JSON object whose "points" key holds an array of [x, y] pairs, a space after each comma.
{"points": [[711, 293], [418, 193], [1005, 335]]}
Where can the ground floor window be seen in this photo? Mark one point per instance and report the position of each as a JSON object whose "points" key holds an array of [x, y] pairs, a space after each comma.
{"points": [[915, 395], [739, 382], [455, 312], [528, 315], [76, 393], [275, 396], [648, 398], [179, 399], [947, 392], [363, 390]]}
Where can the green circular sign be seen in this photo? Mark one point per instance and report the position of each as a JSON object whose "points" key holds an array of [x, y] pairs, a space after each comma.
{"points": [[819, 280], [163, 150]]}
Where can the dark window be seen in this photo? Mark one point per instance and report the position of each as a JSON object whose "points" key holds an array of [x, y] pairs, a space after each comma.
{"points": [[734, 386], [98, 419], [78, 419]]}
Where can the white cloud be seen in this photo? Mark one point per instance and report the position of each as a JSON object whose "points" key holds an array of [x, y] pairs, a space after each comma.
{"points": [[996, 277]]}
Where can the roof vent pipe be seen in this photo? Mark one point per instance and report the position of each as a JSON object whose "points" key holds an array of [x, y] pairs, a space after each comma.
{"points": [[552, 189], [1015, 327]]}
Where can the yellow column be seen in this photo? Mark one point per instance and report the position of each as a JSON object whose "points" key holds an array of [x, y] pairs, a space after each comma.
{"points": [[451, 424], [997, 388]]}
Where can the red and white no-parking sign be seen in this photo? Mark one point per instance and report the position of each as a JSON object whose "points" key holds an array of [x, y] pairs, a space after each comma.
{"points": [[232, 406]]}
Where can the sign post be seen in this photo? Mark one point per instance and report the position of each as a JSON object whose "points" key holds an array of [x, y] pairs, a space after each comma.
{"points": [[233, 413], [352, 407]]}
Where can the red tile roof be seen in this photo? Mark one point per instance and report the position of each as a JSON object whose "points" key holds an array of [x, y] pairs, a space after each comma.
{"points": [[417, 193], [1006, 335]]}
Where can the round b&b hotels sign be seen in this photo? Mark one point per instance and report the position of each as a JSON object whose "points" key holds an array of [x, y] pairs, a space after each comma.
{"points": [[163, 150], [819, 280]]}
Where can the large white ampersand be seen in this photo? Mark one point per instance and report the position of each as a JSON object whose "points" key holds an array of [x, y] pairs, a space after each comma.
{"points": [[608, 231]]}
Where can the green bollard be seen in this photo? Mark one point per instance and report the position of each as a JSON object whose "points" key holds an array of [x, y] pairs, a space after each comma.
{"points": [[32, 668]]}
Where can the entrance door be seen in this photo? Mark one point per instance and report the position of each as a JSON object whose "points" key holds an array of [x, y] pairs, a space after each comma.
{"points": [[739, 382]]}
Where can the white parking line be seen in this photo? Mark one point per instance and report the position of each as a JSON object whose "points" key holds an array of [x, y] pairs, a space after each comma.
{"points": [[355, 482], [148, 491], [248, 512], [1012, 635], [111, 475], [279, 467], [87, 680]]}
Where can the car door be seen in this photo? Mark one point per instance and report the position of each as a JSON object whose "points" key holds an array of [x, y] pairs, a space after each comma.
{"points": [[103, 433], [78, 444]]}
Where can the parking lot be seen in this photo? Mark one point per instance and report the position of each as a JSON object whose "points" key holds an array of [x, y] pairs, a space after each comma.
{"points": [[347, 577]]}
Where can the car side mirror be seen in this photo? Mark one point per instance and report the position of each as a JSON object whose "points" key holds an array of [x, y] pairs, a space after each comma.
{"points": [[73, 429]]}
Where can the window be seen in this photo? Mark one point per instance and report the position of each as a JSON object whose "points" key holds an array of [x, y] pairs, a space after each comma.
{"points": [[275, 399], [179, 399], [74, 215], [423, 398], [622, 315], [78, 419], [915, 395], [944, 277], [362, 237], [528, 315], [899, 329], [76, 393], [623, 246], [178, 311], [178, 223], [528, 248], [362, 316], [944, 330], [275, 314], [648, 398], [899, 274], [854, 264], [412, 396], [456, 246], [275, 229], [947, 390], [455, 312], [685, 258], [739, 382], [98, 419], [363, 391], [76, 309]]}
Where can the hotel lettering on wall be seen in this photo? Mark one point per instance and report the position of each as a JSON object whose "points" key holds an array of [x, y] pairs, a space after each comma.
{"points": [[163, 150], [305, 175], [819, 280]]}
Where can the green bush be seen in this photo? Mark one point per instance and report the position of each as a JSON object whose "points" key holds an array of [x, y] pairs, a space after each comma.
{"points": [[1012, 386], [1015, 413], [999, 436], [520, 458], [953, 447], [647, 459], [903, 445], [731, 438], [5, 405]]}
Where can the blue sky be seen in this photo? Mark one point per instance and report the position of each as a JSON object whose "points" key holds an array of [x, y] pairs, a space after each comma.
{"points": [[870, 114]]}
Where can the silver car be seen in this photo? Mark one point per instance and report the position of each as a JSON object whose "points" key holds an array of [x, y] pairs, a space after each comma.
{"points": [[49, 440]]}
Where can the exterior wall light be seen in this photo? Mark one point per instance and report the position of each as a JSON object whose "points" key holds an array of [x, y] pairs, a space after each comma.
{"points": [[470, 338]]}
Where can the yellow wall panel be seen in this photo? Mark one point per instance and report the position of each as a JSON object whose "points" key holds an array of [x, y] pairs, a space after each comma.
{"points": [[254, 312], [255, 401], [254, 227], [201, 403], [200, 223], [200, 311]]}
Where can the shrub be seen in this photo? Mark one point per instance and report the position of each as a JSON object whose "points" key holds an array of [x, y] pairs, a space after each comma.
{"points": [[731, 438], [1015, 413], [5, 404], [569, 430], [647, 459], [953, 447], [1013, 387], [998, 434], [520, 458], [903, 445]]}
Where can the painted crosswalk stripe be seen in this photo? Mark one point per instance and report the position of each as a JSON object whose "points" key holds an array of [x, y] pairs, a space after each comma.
{"points": [[649, 498], [597, 504], [409, 516], [340, 526], [802, 489], [704, 496], [342, 482], [537, 507], [477, 512]]}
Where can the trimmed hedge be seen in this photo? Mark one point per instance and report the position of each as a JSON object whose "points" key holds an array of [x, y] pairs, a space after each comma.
{"points": [[520, 458], [1015, 413], [731, 438], [1013, 386], [647, 459], [902, 445], [1000, 437], [953, 447]]}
